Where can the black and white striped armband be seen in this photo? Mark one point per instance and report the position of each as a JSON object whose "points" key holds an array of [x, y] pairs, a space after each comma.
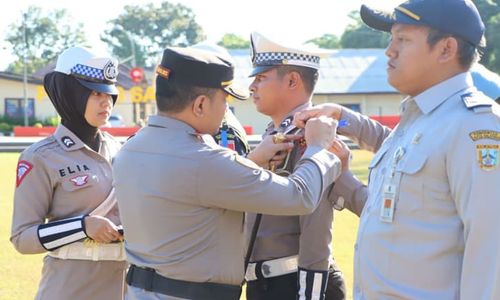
{"points": [[56, 234], [312, 284]]}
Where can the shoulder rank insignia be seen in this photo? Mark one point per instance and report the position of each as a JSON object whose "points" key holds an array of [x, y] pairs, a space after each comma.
{"points": [[485, 135], [487, 156], [476, 100]]}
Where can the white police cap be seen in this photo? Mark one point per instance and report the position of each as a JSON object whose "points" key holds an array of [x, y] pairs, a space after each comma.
{"points": [[267, 54], [93, 72]]}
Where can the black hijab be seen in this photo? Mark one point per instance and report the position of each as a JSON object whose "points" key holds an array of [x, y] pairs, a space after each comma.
{"points": [[70, 98]]}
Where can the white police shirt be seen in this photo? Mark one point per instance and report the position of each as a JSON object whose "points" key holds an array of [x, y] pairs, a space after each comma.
{"points": [[430, 228]]}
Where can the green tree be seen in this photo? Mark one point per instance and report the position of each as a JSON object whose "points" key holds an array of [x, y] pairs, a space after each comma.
{"points": [[490, 12], [151, 29], [326, 41], [232, 41], [47, 34], [358, 35]]}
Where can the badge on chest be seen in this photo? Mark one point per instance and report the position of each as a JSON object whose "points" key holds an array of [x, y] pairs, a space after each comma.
{"points": [[389, 192]]}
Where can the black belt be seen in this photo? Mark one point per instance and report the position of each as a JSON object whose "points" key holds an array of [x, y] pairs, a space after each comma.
{"points": [[147, 279]]}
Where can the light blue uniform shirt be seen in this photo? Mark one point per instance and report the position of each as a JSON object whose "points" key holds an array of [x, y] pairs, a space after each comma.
{"points": [[441, 162]]}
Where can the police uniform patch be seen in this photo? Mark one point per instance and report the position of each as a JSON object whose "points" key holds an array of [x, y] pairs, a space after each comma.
{"points": [[163, 72], [80, 180], [485, 135], [67, 141], [23, 168], [246, 162], [487, 156]]}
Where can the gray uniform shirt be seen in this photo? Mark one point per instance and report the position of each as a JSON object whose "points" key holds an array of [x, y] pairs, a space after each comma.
{"points": [[60, 177], [444, 240], [281, 236], [182, 200], [63, 178]]}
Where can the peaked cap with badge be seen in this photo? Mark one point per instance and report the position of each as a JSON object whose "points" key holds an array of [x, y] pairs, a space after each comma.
{"points": [[78, 72], [94, 72], [199, 68], [462, 17], [267, 54]]}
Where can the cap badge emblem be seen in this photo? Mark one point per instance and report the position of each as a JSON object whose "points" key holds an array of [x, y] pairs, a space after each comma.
{"points": [[110, 71]]}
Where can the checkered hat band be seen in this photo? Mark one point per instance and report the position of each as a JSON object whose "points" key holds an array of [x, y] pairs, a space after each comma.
{"points": [[273, 58], [89, 74]]}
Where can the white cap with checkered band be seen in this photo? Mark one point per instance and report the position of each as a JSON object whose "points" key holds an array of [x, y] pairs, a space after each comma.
{"points": [[93, 72], [267, 54]]}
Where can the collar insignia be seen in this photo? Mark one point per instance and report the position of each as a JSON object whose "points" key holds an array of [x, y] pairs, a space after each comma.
{"points": [[67, 141]]}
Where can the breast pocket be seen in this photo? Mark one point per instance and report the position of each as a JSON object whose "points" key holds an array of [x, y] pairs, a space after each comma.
{"points": [[78, 182], [376, 160], [411, 187]]}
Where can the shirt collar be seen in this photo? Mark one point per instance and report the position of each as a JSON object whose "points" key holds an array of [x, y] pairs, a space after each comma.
{"points": [[168, 122], [270, 126], [67, 139], [433, 97]]}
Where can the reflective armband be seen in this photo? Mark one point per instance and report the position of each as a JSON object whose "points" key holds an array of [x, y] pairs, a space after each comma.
{"points": [[312, 284], [56, 234]]}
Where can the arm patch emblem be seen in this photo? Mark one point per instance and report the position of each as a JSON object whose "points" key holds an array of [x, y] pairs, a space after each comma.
{"points": [[487, 156], [23, 168]]}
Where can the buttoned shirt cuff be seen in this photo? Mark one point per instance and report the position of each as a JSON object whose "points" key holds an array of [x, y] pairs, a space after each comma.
{"points": [[344, 192]]}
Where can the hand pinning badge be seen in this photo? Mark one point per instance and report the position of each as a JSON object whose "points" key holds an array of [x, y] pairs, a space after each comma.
{"points": [[279, 138]]}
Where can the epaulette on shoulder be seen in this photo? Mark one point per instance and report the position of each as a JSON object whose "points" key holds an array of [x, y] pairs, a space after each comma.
{"points": [[477, 101], [43, 145]]}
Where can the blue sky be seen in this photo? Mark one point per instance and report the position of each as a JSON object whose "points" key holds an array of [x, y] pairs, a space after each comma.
{"points": [[290, 22]]}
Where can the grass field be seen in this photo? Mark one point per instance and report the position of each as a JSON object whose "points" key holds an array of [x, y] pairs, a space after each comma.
{"points": [[20, 273]]}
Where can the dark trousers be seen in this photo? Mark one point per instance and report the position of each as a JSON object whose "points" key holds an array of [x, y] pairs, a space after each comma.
{"points": [[285, 287]]}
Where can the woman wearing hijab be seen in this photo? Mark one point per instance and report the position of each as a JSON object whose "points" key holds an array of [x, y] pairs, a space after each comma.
{"points": [[64, 199]]}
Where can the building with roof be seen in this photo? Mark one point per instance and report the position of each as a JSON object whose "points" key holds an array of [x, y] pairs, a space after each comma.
{"points": [[352, 77], [135, 101], [355, 78]]}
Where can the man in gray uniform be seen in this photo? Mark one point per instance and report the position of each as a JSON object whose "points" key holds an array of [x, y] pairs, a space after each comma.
{"points": [[291, 257], [433, 191], [182, 197]]}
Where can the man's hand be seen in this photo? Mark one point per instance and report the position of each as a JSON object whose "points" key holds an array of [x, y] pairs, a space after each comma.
{"points": [[268, 152], [320, 131], [330, 110], [101, 229], [343, 152]]}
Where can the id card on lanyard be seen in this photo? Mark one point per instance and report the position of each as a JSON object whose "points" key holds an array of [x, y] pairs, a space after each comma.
{"points": [[389, 192]]}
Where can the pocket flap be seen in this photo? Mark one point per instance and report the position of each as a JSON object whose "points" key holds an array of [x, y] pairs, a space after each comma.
{"points": [[413, 163], [378, 157]]}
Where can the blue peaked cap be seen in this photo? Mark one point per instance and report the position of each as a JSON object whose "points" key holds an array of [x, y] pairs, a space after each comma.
{"points": [[457, 17]]}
